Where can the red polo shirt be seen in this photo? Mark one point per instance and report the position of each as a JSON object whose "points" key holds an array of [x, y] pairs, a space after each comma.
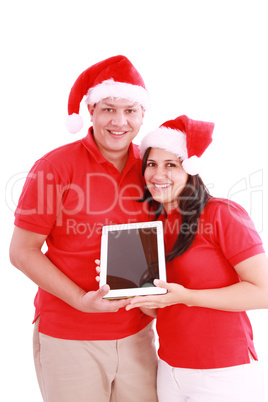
{"points": [[203, 338], [69, 195]]}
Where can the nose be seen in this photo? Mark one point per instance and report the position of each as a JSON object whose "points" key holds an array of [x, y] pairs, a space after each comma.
{"points": [[119, 118], [159, 173]]}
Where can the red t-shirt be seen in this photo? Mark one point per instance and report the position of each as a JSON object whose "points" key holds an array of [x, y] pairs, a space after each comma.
{"points": [[69, 195], [203, 338]]}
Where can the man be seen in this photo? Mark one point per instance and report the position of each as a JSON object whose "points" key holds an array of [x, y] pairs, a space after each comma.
{"points": [[87, 348]]}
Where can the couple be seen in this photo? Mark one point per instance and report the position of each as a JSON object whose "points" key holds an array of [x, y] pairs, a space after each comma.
{"points": [[87, 348]]}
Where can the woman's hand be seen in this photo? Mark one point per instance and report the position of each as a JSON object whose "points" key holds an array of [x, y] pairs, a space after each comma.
{"points": [[175, 294], [250, 293]]}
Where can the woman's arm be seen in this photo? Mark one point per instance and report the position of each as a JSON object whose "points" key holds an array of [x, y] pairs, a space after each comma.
{"points": [[26, 255], [249, 294]]}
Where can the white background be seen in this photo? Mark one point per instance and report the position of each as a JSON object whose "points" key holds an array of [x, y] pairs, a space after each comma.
{"points": [[204, 58]]}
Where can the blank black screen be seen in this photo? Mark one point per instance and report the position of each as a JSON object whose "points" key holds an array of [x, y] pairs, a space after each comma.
{"points": [[132, 259]]}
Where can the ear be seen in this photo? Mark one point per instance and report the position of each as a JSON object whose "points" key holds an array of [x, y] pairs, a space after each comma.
{"points": [[91, 110]]}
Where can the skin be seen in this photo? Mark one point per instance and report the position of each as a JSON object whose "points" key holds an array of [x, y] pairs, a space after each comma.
{"points": [[165, 177], [116, 122], [115, 125], [251, 293]]}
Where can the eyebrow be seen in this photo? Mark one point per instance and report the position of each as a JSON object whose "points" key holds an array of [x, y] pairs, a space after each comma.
{"points": [[131, 105], [166, 160]]}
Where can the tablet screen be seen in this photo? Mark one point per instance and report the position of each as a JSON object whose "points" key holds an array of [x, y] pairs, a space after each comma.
{"points": [[132, 256]]}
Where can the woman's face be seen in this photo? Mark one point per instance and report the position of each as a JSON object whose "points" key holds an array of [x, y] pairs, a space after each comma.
{"points": [[165, 177]]}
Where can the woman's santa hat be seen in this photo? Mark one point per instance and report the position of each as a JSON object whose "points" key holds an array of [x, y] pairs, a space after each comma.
{"points": [[114, 77], [186, 138]]}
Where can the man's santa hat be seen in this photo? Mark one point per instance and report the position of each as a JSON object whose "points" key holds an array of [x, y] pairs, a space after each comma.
{"points": [[186, 138], [114, 77]]}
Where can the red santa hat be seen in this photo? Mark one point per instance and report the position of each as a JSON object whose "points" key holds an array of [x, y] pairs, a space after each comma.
{"points": [[186, 138], [114, 77]]}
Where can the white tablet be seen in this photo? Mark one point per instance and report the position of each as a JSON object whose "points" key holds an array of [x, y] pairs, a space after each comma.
{"points": [[132, 256]]}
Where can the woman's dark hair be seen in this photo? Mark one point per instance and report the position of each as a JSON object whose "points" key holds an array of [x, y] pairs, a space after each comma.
{"points": [[191, 203]]}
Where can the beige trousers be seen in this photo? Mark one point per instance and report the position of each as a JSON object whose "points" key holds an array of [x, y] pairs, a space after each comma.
{"points": [[97, 371]]}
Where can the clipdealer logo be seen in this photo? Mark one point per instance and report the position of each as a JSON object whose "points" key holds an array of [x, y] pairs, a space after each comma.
{"points": [[49, 195], [250, 189]]}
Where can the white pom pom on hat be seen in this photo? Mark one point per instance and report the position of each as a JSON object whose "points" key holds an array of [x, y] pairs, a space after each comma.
{"points": [[115, 77], [74, 123], [191, 165], [186, 138]]}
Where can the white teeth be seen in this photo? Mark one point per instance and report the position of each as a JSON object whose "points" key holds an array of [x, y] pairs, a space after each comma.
{"points": [[162, 185], [117, 132]]}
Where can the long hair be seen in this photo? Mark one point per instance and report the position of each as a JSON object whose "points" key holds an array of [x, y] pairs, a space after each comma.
{"points": [[191, 202]]}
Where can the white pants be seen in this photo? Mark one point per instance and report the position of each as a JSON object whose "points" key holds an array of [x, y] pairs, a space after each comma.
{"points": [[233, 384]]}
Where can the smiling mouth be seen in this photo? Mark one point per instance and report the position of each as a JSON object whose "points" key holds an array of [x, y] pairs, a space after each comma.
{"points": [[161, 186], [117, 133]]}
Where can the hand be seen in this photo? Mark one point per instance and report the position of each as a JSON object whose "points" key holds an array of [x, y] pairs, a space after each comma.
{"points": [[175, 294], [93, 302]]}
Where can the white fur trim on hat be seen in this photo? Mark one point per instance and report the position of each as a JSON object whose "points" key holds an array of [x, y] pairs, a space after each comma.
{"points": [[114, 89], [172, 141], [168, 139]]}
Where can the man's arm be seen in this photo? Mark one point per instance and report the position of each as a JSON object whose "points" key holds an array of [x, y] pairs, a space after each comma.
{"points": [[26, 255]]}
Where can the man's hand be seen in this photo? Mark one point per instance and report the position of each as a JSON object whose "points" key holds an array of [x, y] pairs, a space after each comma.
{"points": [[26, 255], [93, 302]]}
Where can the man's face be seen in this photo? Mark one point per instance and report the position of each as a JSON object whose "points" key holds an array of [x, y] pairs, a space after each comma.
{"points": [[116, 122]]}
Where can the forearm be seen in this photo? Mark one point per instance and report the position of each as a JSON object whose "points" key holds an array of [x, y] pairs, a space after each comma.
{"points": [[238, 297], [36, 266], [248, 294], [26, 255]]}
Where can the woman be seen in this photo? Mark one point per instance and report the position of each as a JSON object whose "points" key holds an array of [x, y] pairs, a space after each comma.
{"points": [[216, 269]]}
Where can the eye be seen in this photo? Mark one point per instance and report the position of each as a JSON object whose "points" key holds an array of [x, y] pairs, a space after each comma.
{"points": [[170, 164], [130, 111], [151, 164], [108, 109]]}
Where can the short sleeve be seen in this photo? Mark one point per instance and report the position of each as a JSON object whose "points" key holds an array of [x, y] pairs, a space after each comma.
{"points": [[234, 232], [40, 199]]}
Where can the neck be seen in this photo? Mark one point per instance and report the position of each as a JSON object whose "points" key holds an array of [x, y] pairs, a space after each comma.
{"points": [[117, 158], [120, 162]]}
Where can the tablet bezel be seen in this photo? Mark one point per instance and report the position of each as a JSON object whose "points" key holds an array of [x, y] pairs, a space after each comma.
{"points": [[137, 291]]}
